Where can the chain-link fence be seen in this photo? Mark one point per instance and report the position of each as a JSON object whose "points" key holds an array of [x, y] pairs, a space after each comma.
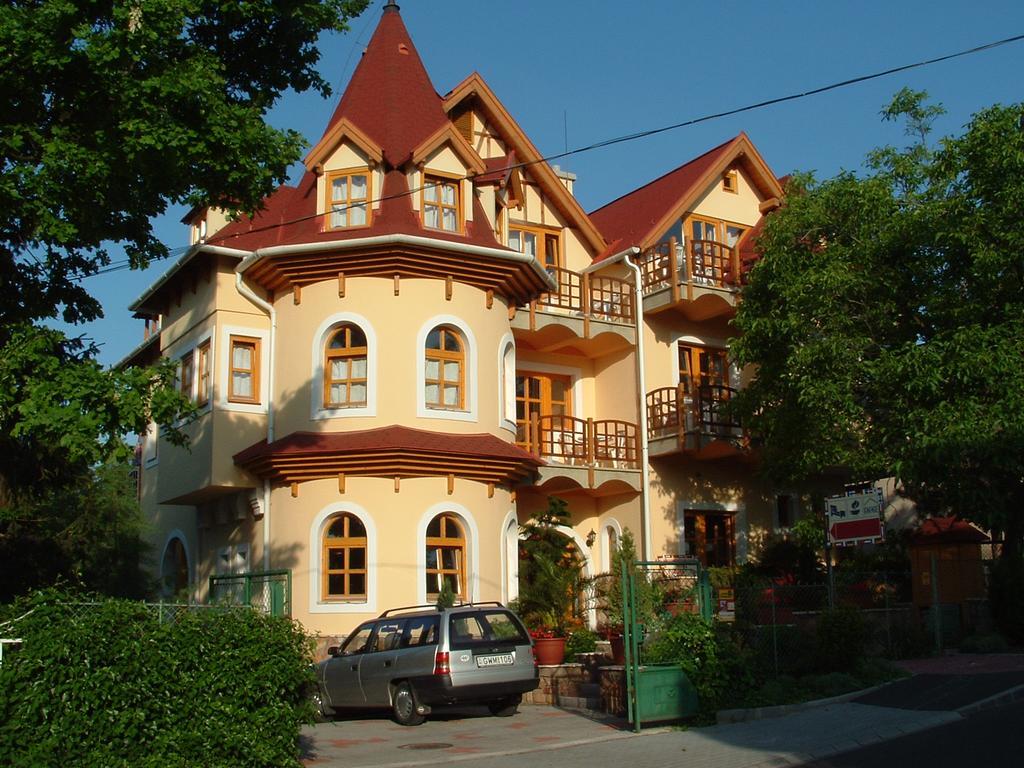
{"points": [[779, 621], [268, 591]]}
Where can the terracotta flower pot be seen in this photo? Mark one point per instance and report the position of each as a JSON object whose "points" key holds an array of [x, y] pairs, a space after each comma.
{"points": [[549, 650]]}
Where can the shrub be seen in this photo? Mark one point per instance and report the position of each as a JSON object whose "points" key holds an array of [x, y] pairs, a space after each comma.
{"points": [[109, 685], [688, 640], [580, 641], [1006, 593], [984, 643], [842, 639]]}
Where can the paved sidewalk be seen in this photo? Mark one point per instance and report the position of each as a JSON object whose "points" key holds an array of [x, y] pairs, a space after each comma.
{"points": [[543, 736]]}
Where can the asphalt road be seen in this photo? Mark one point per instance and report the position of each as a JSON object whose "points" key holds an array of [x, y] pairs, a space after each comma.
{"points": [[993, 738]]}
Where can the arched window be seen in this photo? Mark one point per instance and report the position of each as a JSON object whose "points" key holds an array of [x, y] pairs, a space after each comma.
{"points": [[174, 569], [444, 380], [508, 382], [343, 567], [345, 368], [446, 556]]}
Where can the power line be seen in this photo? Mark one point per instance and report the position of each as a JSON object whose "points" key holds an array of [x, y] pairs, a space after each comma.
{"points": [[117, 266]]}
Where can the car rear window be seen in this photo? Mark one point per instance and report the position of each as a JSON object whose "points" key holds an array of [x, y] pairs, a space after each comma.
{"points": [[468, 630]]}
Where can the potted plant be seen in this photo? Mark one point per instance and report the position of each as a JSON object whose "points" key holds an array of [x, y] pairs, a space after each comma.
{"points": [[610, 600], [550, 582]]}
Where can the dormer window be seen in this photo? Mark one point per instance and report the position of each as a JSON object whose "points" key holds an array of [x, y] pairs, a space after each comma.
{"points": [[729, 182], [541, 244], [348, 199], [440, 204]]}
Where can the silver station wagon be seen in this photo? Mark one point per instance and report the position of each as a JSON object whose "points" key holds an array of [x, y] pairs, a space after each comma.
{"points": [[412, 659]]}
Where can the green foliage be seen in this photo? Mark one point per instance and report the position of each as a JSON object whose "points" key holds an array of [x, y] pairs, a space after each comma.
{"points": [[89, 534], [842, 638], [1006, 594], [984, 643], [886, 322], [113, 112], [688, 640], [446, 597], [107, 685], [789, 557], [551, 583], [581, 640], [610, 598]]}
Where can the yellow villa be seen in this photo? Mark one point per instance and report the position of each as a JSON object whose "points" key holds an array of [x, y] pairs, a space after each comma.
{"points": [[405, 354]]}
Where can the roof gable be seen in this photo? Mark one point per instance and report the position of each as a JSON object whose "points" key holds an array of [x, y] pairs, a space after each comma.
{"points": [[513, 136], [447, 134], [335, 135], [642, 216]]}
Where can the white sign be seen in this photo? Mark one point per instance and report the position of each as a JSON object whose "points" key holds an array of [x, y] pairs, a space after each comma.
{"points": [[855, 507]]}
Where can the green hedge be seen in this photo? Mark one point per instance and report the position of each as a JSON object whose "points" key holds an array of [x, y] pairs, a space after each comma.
{"points": [[109, 685]]}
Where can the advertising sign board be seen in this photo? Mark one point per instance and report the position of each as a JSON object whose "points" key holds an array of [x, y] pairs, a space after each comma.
{"points": [[855, 517]]}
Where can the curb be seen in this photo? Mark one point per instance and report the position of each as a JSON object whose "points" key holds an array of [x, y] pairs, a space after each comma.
{"points": [[726, 716], [1003, 697]]}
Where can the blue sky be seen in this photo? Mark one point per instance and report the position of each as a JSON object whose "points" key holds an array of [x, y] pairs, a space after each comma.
{"points": [[600, 69]]}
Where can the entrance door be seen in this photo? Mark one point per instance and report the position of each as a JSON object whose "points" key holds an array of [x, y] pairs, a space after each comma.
{"points": [[543, 394]]}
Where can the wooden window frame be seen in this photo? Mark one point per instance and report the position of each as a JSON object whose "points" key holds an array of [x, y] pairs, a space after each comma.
{"points": [[349, 353], [694, 377], [187, 373], [346, 543], [253, 342], [700, 517], [332, 176], [545, 400], [439, 179], [443, 542], [442, 355], [730, 182], [203, 369], [542, 233]]}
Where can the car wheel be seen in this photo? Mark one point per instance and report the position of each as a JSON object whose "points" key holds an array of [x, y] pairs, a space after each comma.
{"points": [[321, 712], [505, 707], [403, 705]]}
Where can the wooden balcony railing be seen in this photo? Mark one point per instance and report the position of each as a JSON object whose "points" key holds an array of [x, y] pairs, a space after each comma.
{"points": [[595, 296], [704, 262], [605, 443], [671, 411]]}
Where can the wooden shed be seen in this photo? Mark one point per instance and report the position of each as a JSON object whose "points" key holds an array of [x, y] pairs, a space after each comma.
{"points": [[956, 545]]}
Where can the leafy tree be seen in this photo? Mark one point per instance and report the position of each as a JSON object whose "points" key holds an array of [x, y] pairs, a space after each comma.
{"points": [[113, 111], [89, 534], [886, 322]]}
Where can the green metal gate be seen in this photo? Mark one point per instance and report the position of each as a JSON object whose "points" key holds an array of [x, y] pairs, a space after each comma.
{"points": [[657, 692], [266, 591]]}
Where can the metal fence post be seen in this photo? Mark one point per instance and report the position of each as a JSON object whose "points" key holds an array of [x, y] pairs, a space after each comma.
{"points": [[936, 608], [888, 617], [775, 633]]}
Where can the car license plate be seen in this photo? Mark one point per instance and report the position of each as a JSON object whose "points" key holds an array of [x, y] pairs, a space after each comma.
{"points": [[497, 660]]}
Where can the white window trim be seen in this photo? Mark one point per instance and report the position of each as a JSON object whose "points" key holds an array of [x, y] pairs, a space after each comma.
{"points": [[509, 548], [316, 405], [224, 370], [151, 437], [506, 389], [316, 530], [469, 413], [606, 549], [472, 549]]}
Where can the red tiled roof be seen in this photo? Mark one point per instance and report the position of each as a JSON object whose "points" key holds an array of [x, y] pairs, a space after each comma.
{"points": [[390, 96], [948, 530], [392, 438], [629, 219]]}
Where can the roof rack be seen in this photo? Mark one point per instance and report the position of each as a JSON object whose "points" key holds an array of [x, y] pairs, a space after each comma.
{"points": [[438, 608]]}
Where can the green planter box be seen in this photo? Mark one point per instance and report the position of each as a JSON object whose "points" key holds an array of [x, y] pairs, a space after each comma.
{"points": [[664, 692]]}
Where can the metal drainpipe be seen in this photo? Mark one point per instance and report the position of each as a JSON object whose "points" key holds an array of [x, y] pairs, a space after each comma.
{"points": [[645, 488], [267, 307]]}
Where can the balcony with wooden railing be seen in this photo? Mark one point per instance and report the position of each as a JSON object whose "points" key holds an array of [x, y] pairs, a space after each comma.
{"points": [[696, 424], [592, 313], [593, 452], [698, 278]]}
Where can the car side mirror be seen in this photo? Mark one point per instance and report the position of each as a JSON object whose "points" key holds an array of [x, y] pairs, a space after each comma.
{"points": [[332, 650]]}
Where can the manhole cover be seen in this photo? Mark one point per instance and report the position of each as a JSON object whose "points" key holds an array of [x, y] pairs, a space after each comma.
{"points": [[426, 745]]}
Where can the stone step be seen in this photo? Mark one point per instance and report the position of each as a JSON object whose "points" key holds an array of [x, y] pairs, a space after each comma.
{"points": [[580, 702]]}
